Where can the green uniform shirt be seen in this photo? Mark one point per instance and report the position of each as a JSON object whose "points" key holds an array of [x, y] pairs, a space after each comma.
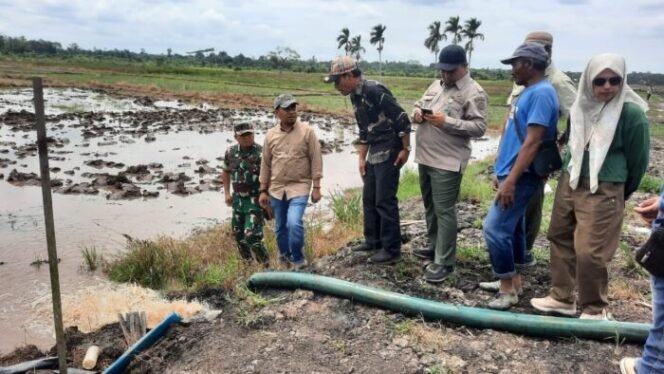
{"points": [[627, 159], [244, 167]]}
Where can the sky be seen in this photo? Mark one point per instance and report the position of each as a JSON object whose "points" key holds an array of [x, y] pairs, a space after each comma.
{"points": [[581, 28]]}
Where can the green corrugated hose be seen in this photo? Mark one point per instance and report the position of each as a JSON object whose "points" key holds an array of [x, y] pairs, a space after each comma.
{"points": [[527, 324]]}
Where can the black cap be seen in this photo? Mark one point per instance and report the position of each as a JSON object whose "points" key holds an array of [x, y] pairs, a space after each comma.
{"points": [[451, 57]]}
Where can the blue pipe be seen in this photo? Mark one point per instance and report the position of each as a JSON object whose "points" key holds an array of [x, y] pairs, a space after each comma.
{"points": [[527, 324], [145, 342]]}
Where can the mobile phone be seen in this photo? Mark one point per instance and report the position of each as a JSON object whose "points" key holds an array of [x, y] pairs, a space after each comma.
{"points": [[428, 112]]}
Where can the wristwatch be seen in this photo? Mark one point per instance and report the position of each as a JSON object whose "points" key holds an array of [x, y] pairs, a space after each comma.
{"points": [[408, 148]]}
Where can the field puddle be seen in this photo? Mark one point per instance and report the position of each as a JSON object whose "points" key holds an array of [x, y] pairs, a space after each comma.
{"points": [[170, 154]]}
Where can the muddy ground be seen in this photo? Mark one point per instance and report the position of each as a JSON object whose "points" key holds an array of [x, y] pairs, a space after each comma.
{"points": [[304, 332], [97, 134]]}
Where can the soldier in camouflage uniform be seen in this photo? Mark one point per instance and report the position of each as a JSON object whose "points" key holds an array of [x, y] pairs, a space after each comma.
{"points": [[242, 163]]}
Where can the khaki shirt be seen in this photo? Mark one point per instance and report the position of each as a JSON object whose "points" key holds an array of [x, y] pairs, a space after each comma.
{"points": [[291, 161], [564, 86], [465, 105]]}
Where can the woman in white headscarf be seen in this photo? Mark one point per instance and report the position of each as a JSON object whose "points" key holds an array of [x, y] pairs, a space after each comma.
{"points": [[607, 156]]}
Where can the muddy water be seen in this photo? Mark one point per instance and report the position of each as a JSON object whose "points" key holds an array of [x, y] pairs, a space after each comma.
{"points": [[93, 220]]}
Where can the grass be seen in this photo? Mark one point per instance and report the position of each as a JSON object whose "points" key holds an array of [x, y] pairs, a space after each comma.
{"points": [[409, 185], [248, 304], [209, 258], [475, 254], [650, 184], [91, 259], [214, 275], [211, 83], [629, 260], [476, 185], [153, 264], [347, 207], [547, 206]]}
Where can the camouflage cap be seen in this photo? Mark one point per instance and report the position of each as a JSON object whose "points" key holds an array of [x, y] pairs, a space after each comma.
{"points": [[284, 101], [340, 66], [243, 128]]}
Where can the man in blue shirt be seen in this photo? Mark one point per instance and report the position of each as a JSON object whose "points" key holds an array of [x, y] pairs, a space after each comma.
{"points": [[535, 116]]}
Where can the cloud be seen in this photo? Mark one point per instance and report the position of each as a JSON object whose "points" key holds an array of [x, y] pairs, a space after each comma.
{"points": [[255, 27]]}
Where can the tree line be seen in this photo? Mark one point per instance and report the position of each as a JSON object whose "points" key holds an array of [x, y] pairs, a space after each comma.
{"points": [[282, 58], [457, 32]]}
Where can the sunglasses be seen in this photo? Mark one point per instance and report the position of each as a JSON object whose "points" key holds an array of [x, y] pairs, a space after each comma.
{"points": [[614, 81]]}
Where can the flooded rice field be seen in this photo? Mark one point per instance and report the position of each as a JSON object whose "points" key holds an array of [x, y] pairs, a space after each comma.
{"points": [[120, 165]]}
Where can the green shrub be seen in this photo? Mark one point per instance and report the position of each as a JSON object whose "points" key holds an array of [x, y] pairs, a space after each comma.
{"points": [[152, 265], [650, 184]]}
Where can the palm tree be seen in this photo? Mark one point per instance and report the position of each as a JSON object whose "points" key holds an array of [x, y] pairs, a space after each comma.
{"points": [[344, 40], [470, 32], [378, 38], [434, 38], [356, 48], [454, 28]]}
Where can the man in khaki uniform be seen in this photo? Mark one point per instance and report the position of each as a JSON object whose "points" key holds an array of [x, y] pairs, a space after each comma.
{"points": [[566, 91], [451, 112]]}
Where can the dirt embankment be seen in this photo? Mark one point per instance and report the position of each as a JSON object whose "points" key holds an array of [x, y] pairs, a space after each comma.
{"points": [[297, 332]]}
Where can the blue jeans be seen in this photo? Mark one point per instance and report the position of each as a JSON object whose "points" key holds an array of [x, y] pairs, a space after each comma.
{"points": [[505, 229], [652, 359], [288, 226]]}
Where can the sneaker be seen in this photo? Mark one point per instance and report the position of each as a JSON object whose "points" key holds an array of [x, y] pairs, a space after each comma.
{"points": [[362, 247], [495, 287], [384, 257], [425, 253], [628, 365], [550, 305], [503, 301], [299, 265], [436, 273], [602, 316]]}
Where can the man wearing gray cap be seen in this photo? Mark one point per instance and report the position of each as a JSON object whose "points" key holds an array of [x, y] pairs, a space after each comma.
{"points": [[566, 92], [451, 112], [533, 119], [383, 150], [292, 167]]}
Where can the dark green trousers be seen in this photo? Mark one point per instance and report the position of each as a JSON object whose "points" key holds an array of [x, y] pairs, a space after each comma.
{"points": [[440, 190]]}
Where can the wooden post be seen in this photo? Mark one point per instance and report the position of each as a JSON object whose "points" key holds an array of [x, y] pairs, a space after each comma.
{"points": [[48, 220]]}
